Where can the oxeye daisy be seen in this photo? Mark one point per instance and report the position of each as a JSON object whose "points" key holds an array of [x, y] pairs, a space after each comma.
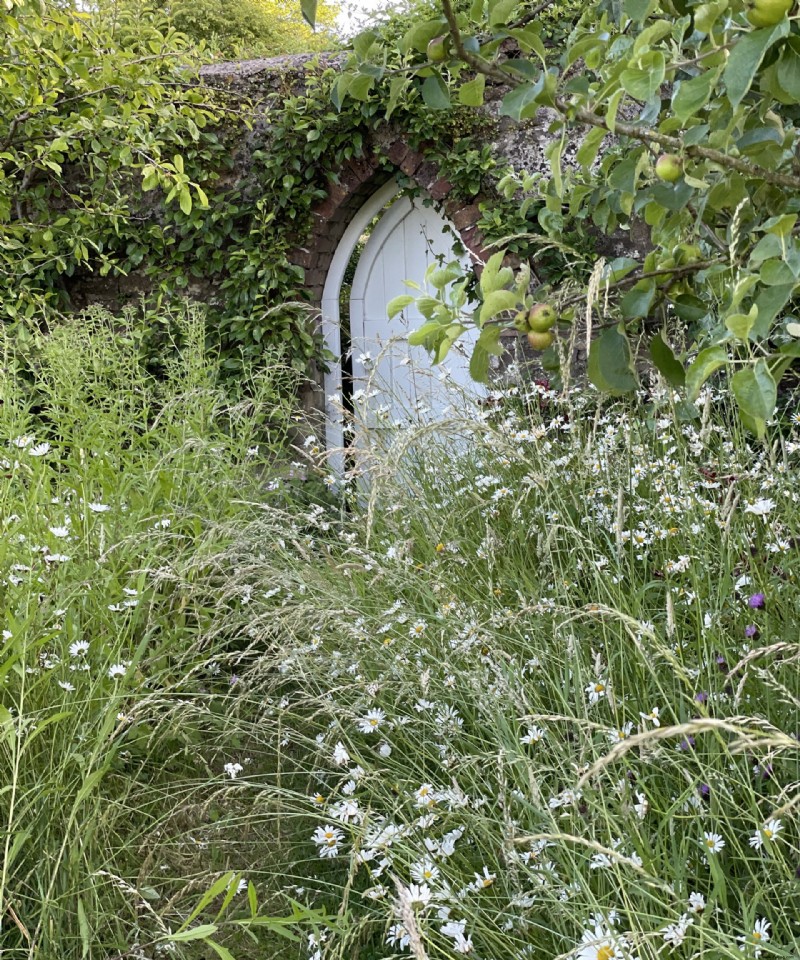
{"points": [[534, 735], [425, 872], [596, 691], [766, 834], [600, 943], [713, 842], [373, 719], [328, 838], [757, 937]]}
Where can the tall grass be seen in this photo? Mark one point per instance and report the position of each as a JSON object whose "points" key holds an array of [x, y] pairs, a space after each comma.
{"points": [[109, 481], [535, 695]]}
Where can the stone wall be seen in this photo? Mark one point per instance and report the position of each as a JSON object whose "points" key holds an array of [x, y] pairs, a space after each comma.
{"points": [[387, 151]]}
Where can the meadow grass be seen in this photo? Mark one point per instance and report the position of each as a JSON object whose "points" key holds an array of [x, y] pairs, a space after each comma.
{"points": [[527, 689], [109, 479], [535, 693]]}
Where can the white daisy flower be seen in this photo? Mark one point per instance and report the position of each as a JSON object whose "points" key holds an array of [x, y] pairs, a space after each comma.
{"points": [[328, 838], [373, 719], [713, 842], [596, 691], [534, 735], [757, 937], [766, 834]]}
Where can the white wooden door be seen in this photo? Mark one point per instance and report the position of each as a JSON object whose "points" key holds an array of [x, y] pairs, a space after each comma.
{"points": [[395, 384]]}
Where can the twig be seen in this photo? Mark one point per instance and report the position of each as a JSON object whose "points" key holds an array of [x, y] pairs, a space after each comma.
{"points": [[572, 113]]}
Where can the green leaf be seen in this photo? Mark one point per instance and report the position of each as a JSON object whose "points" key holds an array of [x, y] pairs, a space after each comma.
{"points": [[644, 80], [667, 364], [612, 108], [745, 59], [775, 273], [420, 35], [490, 275], [418, 338], [650, 36], [740, 324], [638, 301], [610, 365], [520, 103], [756, 394], [201, 932], [705, 363], [397, 304], [435, 93], [363, 43], [587, 152], [782, 78], [770, 301], [496, 302], [692, 95], [309, 10], [530, 42], [83, 926], [360, 86], [488, 343], [252, 898], [186, 200], [222, 952], [471, 92], [787, 353], [787, 71], [639, 10], [500, 11], [554, 152], [768, 246], [428, 306]]}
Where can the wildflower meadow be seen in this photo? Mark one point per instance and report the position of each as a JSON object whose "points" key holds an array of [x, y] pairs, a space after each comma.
{"points": [[532, 692]]}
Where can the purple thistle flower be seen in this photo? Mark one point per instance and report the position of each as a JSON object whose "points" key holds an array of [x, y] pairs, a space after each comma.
{"points": [[756, 601], [686, 744], [751, 630], [701, 697]]}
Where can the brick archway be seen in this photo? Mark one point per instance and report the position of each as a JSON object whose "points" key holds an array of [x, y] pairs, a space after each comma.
{"points": [[358, 180]]}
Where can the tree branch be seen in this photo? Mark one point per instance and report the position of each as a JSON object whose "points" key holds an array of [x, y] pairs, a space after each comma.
{"points": [[635, 131]]}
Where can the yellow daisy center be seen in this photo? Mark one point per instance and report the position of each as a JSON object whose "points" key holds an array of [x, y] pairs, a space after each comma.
{"points": [[605, 953]]}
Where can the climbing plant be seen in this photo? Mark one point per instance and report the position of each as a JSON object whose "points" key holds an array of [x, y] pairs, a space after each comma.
{"points": [[687, 116], [116, 163]]}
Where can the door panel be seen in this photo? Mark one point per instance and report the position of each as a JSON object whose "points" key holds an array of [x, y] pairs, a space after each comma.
{"points": [[398, 382]]}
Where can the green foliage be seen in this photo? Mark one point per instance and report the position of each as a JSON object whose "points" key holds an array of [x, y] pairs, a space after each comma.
{"points": [[237, 29], [696, 81]]}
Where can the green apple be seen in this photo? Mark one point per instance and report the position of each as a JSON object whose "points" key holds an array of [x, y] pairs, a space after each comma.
{"points": [[766, 13], [669, 167], [540, 340], [541, 318], [437, 49]]}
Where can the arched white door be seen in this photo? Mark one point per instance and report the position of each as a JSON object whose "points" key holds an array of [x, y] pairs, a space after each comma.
{"points": [[392, 382]]}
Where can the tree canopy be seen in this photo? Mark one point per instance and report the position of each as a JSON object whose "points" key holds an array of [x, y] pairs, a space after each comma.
{"points": [[695, 106], [235, 28]]}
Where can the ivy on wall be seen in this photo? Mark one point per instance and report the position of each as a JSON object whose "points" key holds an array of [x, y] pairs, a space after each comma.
{"points": [[116, 163]]}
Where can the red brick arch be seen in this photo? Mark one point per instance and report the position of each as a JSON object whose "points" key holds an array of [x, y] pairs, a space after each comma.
{"points": [[357, 181]]}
